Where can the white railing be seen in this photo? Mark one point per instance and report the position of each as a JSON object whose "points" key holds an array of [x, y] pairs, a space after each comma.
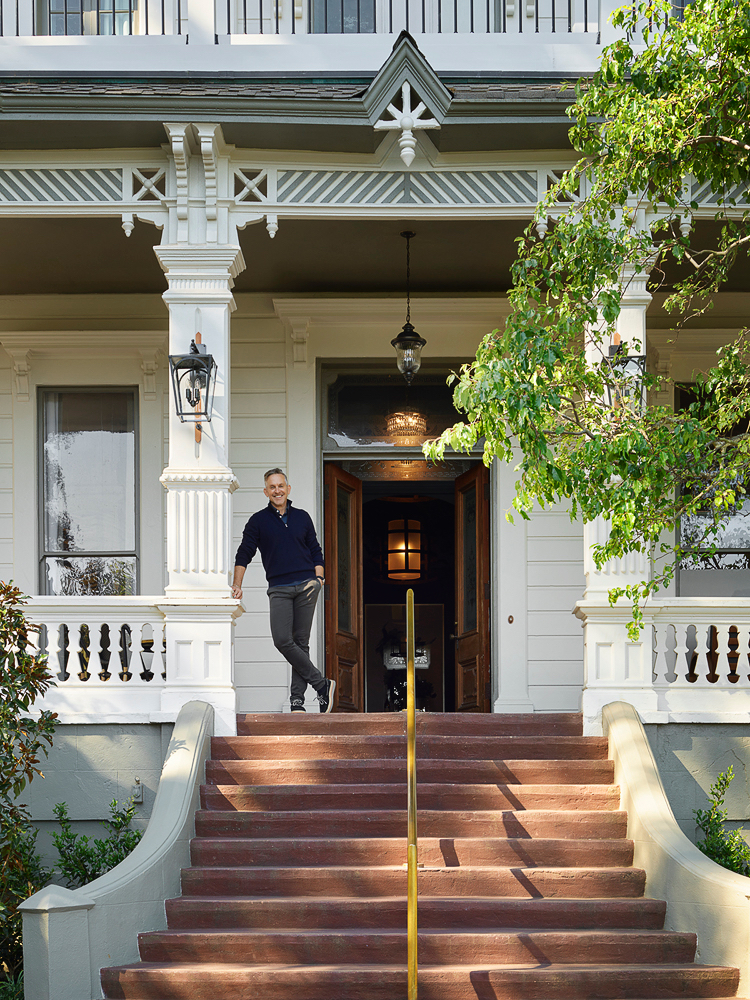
{"points": [[136, 659], [691, 661]]}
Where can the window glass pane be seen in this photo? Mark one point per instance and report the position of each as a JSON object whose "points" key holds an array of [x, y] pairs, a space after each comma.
{"points": [[356, 16], [469, 530], [382, 409], [89, 472], [343, 532], [92, 576]]}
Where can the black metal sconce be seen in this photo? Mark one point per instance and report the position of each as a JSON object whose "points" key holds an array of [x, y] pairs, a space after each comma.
{"points": [[629, 371], [194, 383], [408, 344]]}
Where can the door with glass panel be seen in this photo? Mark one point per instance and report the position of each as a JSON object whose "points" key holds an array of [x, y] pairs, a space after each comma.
{"points": [[343, 591], [88, 492], [472, 636]]}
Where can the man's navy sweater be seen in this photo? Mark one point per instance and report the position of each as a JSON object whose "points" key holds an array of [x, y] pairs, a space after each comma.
{"points": [[290, 552]]}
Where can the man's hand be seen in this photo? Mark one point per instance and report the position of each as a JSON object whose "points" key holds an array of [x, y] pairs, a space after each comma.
{"points": [[239, 576]]}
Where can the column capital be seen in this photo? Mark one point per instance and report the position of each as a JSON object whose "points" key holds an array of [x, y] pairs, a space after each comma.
{"points": [[198, 268]]}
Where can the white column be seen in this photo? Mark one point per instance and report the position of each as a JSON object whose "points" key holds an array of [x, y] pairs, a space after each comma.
{"points": [[198, 608], [610, 660], [198, 478], [633, 568]]}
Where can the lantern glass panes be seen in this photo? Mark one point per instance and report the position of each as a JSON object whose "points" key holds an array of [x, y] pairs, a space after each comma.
{"points": [[628, 371], [404, 549], [408, 346], [194, 383]]}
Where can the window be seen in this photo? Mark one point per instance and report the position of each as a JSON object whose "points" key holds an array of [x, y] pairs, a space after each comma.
{"points": [[88, 516], [342, 16], [86, 17]]}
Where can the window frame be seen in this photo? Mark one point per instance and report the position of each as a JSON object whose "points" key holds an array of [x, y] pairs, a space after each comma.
{"points": [[43, 553]]}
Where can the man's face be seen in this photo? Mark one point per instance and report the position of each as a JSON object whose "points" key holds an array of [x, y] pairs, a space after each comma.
{"points": [[277, 489]]}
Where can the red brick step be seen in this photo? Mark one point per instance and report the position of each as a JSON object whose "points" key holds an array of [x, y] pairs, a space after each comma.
{"points": [[444, 852], [374, 771], [434, 911], [207, 981], [394, 723], [259, 798]]}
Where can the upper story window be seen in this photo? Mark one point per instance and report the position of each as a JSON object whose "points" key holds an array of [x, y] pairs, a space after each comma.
{"points": [[89, 17], [348, 17], [88, 515]]}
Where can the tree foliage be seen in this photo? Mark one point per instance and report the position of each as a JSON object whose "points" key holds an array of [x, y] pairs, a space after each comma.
{"points": [[671, 100], [23, 678]]}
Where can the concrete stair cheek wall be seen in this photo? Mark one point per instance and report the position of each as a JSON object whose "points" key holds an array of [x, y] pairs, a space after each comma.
{"points": [[297, 889]]}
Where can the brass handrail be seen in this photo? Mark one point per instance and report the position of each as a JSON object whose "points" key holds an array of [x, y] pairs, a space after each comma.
{"points": [[411, 778]]}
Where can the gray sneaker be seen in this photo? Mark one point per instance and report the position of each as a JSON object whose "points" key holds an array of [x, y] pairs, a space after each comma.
{"points": [[325, 698]]}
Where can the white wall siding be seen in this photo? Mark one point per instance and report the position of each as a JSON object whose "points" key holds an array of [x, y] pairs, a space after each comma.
{"points": [[6, 468], [259, 429], [555, 582]]}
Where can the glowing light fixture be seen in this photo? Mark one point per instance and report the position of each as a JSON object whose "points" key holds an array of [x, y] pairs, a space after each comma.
{"points": [[407, 427], [404, 550]]}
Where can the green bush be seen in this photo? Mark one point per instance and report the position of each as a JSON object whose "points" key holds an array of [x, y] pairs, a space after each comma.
{"points": [[23, 678], [82, 860], [727, 848], [11, 988]]}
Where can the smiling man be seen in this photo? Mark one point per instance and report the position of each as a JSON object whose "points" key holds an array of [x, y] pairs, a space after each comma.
{"points": [[293, 561]]}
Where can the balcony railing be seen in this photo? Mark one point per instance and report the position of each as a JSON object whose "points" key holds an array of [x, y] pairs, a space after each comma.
{"points": [[503, 17], [691, 661], [61, 18]]}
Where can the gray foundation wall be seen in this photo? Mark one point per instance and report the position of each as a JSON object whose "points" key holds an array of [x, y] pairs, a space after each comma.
{"points": [[89, 766], [690, 756]]}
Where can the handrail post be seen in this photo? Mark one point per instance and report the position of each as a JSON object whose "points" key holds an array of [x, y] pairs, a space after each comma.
{"points": [[411, 777]]}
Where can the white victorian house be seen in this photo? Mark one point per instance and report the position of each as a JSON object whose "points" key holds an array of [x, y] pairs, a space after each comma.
{"points": [[243, 172]]}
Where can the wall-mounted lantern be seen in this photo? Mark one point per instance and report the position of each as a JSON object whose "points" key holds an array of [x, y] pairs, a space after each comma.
{"points": [[629, 371], [404, 550], [408, 345], [194, 383]]}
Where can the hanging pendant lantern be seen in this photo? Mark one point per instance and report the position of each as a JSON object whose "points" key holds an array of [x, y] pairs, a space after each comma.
{"points": [[408, 345]]}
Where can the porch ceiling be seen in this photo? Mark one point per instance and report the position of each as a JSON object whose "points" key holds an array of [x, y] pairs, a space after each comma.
{"points": [[93, 256]]}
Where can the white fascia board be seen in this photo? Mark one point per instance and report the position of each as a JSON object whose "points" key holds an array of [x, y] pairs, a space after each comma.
{"points": [[294, 55]]}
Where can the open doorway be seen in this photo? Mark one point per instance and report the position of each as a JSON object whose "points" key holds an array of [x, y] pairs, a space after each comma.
{"points": [[391, 525]]}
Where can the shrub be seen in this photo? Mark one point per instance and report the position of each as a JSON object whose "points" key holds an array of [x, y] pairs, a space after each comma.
{"points": [[727, 848], [11, 988], [23, 677], [82, 861]]}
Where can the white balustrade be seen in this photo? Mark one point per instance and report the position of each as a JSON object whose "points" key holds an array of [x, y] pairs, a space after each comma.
{"points": [[690, 663], [135, 659]]}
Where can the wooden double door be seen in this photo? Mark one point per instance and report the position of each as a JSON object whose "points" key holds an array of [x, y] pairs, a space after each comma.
{"points": [[344, 627]]}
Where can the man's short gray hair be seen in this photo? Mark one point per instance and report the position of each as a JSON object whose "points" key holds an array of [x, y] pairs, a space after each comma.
{"points": [[274, 472]]}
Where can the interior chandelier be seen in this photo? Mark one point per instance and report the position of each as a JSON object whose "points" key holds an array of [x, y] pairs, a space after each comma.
{"points": [[408, 344], [406, 424]]}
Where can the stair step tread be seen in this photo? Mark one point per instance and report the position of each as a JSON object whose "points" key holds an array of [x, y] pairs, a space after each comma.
{"points": [[373, 770], [548, 723], [270, 747]]}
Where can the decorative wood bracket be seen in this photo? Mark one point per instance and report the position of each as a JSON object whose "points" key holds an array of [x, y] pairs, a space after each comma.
{"points": [[21, 370], [149, 367]]}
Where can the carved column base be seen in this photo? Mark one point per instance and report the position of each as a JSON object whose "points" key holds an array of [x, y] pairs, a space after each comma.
{"points": [[199, 541], [200, 658]]}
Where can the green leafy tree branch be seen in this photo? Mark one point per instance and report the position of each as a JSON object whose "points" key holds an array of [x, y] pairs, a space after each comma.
{"points": [[671, 100]]}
